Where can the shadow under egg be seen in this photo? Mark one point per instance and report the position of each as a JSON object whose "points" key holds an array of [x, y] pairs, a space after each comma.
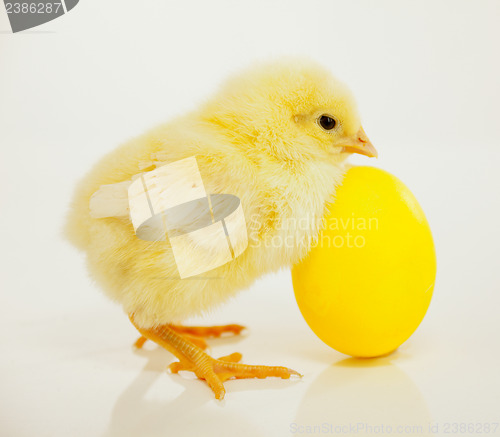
{"points": [[363, 396]]}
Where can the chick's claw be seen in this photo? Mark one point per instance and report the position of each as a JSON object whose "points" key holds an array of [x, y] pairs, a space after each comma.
{"points": [[232, 370], [233, 358], [139, 343]]}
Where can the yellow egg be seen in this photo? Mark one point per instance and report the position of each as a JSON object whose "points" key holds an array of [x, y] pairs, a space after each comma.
{"points": [[367, 282]]}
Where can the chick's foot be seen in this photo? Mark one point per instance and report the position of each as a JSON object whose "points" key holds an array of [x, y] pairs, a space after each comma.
{"points": [[181, 365], [198, 341], [216, 371], [208, 331], [196, 334], [213, 371]]}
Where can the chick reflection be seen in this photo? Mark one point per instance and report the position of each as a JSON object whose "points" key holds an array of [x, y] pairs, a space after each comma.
{"points": [[136, 413], [362, 397]]}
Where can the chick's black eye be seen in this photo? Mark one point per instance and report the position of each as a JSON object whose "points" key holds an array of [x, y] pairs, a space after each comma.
{"points": [[327, 123]]}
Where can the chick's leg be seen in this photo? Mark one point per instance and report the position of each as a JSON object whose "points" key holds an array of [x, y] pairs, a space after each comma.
{"points": [[213, 371]]}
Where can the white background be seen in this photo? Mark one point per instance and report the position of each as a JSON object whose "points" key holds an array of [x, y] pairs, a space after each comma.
{"points": [[426, 76]]}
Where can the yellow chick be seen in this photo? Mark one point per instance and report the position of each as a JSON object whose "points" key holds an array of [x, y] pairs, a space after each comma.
{"points": [[276, 136]]}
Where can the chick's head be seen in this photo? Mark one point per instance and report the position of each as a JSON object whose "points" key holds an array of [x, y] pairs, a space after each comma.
{"points": [[290, 110]]}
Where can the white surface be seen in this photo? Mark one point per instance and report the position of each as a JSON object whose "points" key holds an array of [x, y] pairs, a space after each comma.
{"points": [[426, 77]]}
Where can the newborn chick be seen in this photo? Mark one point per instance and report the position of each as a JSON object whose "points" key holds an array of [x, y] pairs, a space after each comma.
{"points": [[276, 136]]}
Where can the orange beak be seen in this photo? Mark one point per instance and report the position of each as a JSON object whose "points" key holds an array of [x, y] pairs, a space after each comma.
{"points": [[360, 143]]}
